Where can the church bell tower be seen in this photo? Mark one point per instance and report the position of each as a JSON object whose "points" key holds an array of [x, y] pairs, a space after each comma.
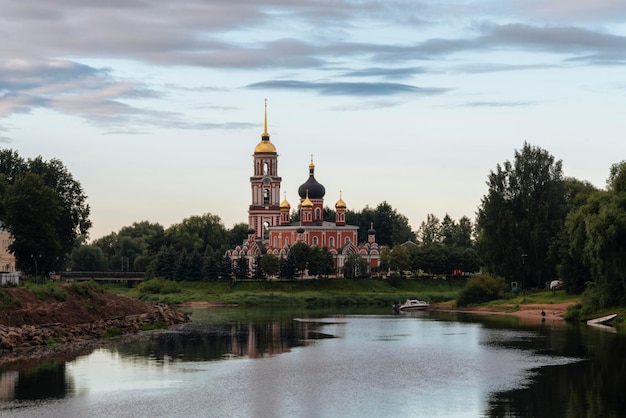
{"points": [[264, 210]]}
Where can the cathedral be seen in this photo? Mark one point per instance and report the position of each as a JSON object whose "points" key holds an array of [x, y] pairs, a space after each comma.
{"points": [[269, 227]]}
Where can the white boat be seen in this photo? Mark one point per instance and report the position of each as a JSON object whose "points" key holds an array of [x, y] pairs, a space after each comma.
{"points": [[413, 305], [602, 320]]}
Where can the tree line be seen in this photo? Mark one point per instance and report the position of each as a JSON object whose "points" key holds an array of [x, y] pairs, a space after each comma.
{"points": [[532, 225]]}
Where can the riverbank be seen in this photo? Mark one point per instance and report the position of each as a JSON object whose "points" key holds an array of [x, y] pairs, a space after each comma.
{"points": [[530, 312], [63, 320]]}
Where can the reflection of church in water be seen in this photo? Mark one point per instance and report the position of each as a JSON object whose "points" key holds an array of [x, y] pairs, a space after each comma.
{"points": [[270, 230]]}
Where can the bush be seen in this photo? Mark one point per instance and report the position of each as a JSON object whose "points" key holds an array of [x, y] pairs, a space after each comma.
{"points": [[85, 289], [159, 286], [47, 290], [481, 288]]}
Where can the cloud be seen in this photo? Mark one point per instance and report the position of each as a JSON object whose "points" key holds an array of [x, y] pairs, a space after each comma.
{"points": [[346, 88], [67, 87], [405, 72], [5, 140], [375, 42]]}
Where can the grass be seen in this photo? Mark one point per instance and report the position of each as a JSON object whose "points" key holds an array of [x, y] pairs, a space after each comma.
{"points": [[47, 290], [6, 300], [315, 292]]}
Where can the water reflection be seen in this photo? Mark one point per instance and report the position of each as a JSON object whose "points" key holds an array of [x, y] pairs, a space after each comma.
{"points": [[202, 342], [269, 363], [590, 388], [48, 380]]}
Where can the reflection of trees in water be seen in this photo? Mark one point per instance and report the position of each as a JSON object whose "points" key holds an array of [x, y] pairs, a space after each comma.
{"points": [[589, 388], [46, 381], [196, 342]]}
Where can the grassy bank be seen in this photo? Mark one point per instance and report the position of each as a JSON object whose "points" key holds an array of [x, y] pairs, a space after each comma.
{"points": [[321, 292]]}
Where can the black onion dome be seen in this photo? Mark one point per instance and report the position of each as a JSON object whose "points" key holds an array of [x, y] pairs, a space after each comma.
{"points": [[371, 231], [315, 189], [300, 230], [251, 231]]}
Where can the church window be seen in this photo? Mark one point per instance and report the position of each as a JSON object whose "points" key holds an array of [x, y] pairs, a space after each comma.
{"points": [[266, 229], [286, 240], [266, 196], [314, 240], [317, 214], [266, 168], [347, 240], [331, 242]]}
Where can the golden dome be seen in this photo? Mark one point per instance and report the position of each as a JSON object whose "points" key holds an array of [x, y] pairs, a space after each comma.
{"points": [[340, 203], [265, 147], [306, 203], [284, 204]]}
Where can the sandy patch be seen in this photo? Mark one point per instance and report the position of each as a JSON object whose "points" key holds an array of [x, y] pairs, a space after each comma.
{"points": [[529, 312]]}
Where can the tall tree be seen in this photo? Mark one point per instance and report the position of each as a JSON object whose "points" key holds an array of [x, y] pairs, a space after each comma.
{"points": [[430, 231], [523, 211], [65, 221], [32, 210], [301, 254], [598, 236]]}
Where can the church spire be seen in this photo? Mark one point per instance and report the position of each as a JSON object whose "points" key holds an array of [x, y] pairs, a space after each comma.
{"points": [[265, 134]]}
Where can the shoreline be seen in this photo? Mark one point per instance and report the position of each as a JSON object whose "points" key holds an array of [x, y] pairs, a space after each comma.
{"points": [[24, 355], [532, 312]]}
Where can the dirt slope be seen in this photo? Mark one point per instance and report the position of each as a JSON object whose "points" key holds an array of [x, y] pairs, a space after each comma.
{"points": [[78, 308]]}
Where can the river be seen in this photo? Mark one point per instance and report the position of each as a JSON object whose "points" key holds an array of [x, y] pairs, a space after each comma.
{"points": [[236, 362]]}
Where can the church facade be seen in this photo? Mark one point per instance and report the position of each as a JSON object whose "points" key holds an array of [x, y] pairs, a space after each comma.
{"points": [[269, 227]]}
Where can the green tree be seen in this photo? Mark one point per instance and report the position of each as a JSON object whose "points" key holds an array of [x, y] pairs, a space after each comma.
{"points": [[597, 233], [355, 267], [166, 262], [59, 219], [288, 267], [237, 234], [570, 265], [301, 254], [430, 231], [32, 210], [521, 215], [391, 227], [88, 258], [132, 247], [242, 269], [321, 262], [400, 259], [270, 264], [205, 234]]}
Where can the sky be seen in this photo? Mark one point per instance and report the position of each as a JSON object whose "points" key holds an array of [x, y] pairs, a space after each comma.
{"points": [[155, 107]]}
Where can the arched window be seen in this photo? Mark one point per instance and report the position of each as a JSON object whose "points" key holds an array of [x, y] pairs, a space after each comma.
{"points": [[266, 168], [347, 240], [286, 240], [266, 230], [317, 214], [266, 196], [314, 240], [331, 242]]}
